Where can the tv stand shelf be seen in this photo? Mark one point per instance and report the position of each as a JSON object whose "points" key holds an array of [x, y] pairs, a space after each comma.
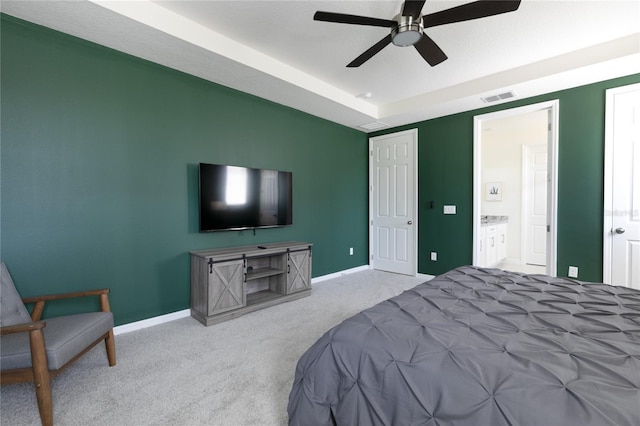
{"points": [[261, 296], [229, 282], [258, 273]]}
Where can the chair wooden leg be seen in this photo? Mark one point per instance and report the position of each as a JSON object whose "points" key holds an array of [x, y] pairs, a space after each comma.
{"points": [[111, 348], [41, 377]]}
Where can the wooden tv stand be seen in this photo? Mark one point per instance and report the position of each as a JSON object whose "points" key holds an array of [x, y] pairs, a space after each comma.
{"points": [[229, 282]]}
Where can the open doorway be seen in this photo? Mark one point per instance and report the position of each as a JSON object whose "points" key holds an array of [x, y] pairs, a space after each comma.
{"points": [[515, 164]]}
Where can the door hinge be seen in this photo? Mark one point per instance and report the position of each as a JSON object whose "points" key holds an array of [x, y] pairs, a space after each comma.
{"points": [[548, 228]]}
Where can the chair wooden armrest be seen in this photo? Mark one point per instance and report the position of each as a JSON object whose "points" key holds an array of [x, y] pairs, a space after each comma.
{"points": [[39, 301], [21, 328], [69, 336]]}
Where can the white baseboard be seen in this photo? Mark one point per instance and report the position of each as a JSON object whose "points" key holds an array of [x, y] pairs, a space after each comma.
{"points": [[339, 274], [425, 277], [150, 322]]}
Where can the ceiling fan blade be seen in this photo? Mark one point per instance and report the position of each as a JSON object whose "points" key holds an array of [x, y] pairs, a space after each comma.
{"points": [[342, 18], [430, 51], [465, 12], [368, 54], [412, 8]]}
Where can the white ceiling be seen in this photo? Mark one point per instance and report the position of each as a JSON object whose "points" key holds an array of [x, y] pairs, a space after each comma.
{"points": [[275, 50]]}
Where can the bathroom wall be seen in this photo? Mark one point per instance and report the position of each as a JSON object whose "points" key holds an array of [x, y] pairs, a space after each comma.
{"points": [[502, 142]]}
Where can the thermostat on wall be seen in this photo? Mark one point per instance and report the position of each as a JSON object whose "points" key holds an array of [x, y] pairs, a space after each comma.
{"points": [[449, 209]]}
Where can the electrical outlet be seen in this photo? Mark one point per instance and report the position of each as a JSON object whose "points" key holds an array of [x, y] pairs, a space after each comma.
{"points": [[573, 272], [434, 256], [350, 251]]}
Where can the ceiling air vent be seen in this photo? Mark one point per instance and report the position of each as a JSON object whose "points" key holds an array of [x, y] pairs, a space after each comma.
{"points": [[498, 97], [374, 126]]}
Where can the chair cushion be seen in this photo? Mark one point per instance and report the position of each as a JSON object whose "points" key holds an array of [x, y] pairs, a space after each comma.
{"points": [[12, 310], [64, 337]]}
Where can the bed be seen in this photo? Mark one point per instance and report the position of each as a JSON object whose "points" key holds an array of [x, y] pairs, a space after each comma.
{"points": [[478, 347]]}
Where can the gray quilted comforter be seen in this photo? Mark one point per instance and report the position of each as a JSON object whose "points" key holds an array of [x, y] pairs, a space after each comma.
{"points": [[479, 347]]}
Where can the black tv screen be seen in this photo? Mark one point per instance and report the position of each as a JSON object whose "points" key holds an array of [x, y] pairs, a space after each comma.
{"points": [[235, 198]]}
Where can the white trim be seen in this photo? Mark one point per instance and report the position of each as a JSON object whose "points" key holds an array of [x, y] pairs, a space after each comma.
{"points": [[150, 322], [161, 319], [552, 244], [208, 41], [425, 277], [608, 187], [523, 208], [553, 107], [413, 132], [317, 280], [607, 247]]}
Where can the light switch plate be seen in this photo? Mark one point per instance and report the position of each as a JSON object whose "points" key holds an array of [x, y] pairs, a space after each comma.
{"points": [[434, 256], [449, 209], [573, 272]]}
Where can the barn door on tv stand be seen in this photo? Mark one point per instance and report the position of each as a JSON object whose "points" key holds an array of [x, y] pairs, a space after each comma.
{"points": [[226, 286], [299, 271]]}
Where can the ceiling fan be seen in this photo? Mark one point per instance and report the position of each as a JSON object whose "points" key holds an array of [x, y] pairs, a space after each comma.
{"points": [[407, 28]]}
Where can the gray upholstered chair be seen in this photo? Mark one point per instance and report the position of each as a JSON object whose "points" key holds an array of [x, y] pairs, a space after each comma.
{"points": [[32, 350]]}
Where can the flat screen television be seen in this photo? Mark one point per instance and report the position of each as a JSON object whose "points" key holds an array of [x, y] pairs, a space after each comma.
{"points": [[236, 198]]}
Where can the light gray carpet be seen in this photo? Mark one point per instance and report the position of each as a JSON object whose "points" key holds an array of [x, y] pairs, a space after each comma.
{"points": [[181, 373]]}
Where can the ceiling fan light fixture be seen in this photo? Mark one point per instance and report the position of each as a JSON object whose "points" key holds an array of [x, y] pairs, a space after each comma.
{"points": [[407, 28], [408, 32]]}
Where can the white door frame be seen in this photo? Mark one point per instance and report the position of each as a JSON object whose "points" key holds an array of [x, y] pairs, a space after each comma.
{"points": [[552, 169], [607, 245], [414, 133]]}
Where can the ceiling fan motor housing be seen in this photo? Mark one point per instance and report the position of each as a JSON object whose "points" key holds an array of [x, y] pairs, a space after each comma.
{"points": [[408, 31]]}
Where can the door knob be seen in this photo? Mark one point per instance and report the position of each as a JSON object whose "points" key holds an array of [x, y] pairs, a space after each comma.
{"points": [[619, 231], [411, 223]]}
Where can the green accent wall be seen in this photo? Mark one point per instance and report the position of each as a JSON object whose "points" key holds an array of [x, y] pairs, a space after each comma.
{"points": [[445, 173], [99, 153], [99, 166]]}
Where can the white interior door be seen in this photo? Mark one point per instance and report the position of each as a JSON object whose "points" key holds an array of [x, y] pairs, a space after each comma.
{"points": [[534, 193], [393, 194], [622, 188]]}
